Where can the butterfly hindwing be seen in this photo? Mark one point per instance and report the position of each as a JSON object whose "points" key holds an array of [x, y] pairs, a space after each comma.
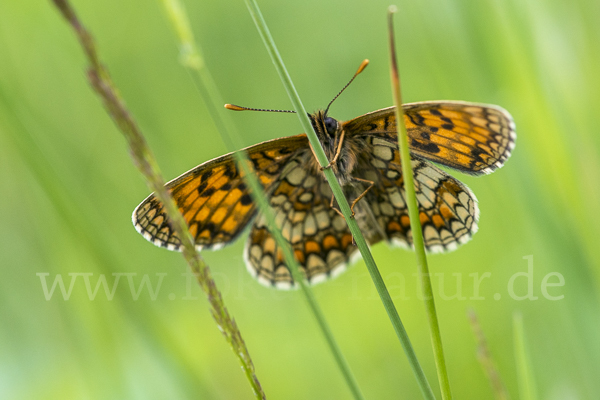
{"points": [[447, 208], [318, 235]]}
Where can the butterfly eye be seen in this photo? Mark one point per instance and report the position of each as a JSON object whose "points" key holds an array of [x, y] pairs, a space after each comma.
{"points": [[331, 126]]}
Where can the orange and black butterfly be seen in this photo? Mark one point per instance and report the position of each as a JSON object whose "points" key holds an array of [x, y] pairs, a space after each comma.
{"points": [[217, 205]]}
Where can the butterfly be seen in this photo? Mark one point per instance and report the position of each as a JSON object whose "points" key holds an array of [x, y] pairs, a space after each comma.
{"points": [[217, 204]]}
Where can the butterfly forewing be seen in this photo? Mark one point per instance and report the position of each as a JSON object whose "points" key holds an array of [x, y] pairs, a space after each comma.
{"points": [[470, 137], [213, 197]]}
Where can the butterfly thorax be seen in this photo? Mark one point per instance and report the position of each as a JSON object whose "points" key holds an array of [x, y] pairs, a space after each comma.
{"points": [[329, 132]]}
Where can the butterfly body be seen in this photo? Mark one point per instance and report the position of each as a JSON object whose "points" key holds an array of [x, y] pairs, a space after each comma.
{"points": [[363, 154], [329, 131]]}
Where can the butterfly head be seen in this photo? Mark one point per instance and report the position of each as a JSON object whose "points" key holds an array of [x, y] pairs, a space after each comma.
{"points": [[342, 153], [327, 128]]}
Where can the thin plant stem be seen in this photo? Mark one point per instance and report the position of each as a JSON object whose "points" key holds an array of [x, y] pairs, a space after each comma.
{"points": [[144, 160], [192, 59], [485, 359], [415, 224], [341, 199], [527, 389]]}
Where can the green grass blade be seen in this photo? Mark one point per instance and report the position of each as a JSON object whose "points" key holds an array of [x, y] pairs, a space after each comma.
{"points": [[485, 359], [191, 58], [341, 199], [145, 161], [527, 389], [415, 224]]}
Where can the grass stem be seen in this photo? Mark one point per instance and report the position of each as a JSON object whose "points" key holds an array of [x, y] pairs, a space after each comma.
{"points": [[341, 199], [145, 161], [485, 359], [192, 59], [525, 379], [415, 224]]}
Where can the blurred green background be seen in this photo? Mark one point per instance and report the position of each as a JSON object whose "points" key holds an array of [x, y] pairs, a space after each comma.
{"points": [[69, 187]]}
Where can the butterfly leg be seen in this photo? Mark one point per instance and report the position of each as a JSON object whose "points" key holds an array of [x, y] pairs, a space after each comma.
{"points": [[370, 183], [337, 210], [337, 152]]}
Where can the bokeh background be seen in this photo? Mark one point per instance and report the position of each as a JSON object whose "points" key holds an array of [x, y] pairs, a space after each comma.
{"points": [[68, 188]]}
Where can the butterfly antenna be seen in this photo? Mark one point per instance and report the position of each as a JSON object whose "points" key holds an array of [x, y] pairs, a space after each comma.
{"points": [[360, 69], [240, 108]]}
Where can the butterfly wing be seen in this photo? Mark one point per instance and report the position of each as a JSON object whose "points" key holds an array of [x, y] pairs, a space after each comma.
{"points": [[213, 197], [319, 236], [470, 137], [447, 208]]}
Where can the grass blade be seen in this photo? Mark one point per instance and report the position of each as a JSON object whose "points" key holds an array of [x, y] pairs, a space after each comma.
{"points": [[192, 59], [527, 389], [144, 160], [415, 224], [341, 199], [485, 359]]}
